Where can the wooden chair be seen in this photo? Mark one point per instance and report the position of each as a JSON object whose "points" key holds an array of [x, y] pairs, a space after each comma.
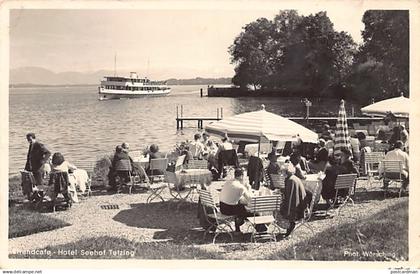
{"points": [[157, 169], [222, 223], [372, 161], [123, 174], [60, 181], [343, 182], [393, 173], [266, 205]]}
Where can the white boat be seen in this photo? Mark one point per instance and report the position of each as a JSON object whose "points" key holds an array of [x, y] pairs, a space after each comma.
{"points": [[115, 87]]}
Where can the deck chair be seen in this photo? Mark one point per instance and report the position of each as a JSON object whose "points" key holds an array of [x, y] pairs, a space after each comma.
{"points": [[60, 181], [157, 169], [343, 182], [266, 205], [222, 223], [123, 175], [393, 173], [372, 161], [197, 164]]}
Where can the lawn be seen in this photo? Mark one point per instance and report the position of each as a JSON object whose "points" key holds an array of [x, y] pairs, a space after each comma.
{"points": [[381, 237], [26, 222]]}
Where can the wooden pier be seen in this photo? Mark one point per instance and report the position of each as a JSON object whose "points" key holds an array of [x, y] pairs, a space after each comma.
{"points": [[180, 118]]}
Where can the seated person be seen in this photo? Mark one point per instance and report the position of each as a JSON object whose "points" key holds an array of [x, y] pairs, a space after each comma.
{"points": [[273, 166], [196, 147], [154, 153], [295, 160], [59, 164], [321, 158], [297, 199], [397, 154], [234, 196], [341, 166], [120, 154]]}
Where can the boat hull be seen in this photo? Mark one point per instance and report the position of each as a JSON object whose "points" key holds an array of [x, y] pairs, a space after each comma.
{"points": [[105, 94]]}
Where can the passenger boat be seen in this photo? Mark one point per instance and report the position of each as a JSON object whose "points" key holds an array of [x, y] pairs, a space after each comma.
{"points": [[115, 87]]}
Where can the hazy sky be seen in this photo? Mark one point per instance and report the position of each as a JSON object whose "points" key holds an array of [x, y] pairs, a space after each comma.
{"points": [[160, 43]]}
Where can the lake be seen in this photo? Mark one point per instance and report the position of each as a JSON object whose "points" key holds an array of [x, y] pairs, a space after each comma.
{"points": [[74, 122]]}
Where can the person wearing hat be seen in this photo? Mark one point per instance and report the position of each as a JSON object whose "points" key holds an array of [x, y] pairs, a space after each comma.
{"points": [[37, 156]]}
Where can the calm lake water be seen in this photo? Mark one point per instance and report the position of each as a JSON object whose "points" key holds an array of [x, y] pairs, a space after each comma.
{"points": [[74, 122]]}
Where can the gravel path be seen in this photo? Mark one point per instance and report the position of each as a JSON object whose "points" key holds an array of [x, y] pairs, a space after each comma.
{"points": [[135, 220]]}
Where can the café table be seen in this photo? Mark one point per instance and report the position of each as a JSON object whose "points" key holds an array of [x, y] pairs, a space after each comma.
{"points": [[190, 178]]}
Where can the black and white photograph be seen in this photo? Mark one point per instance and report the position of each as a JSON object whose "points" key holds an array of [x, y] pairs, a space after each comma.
{"points": [[209, 131]]}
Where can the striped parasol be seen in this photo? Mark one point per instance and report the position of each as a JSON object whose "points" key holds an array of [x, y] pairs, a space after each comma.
{"points": [[259, 125], [341, 138]]}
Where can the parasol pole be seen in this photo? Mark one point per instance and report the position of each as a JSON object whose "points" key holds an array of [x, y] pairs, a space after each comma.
{"points": [[259, 145]]}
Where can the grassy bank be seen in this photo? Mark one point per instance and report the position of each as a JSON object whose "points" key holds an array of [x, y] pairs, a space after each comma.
{"points": [[381, 237], [26, 222]]}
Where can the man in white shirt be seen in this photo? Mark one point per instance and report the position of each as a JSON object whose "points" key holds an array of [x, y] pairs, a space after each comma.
{"points": [[397, 154], [234, 196], [196, 147]]}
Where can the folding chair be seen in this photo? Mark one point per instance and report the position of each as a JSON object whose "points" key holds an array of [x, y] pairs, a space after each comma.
{"points": [[175, 188], [263, 205], [157, 184], [123, 174], [180, 162], [222, 222], [393, 173], [60, 181], [372, 161], [343, 182], [197, 164], [277, 181], [309, 211], [157, 169]]}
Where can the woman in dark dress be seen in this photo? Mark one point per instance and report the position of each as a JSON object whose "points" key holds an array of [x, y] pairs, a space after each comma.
{"points": [[344, 166]]}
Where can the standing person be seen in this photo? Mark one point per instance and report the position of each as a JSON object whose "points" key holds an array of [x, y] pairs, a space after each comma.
{"points": [[37, 156]]}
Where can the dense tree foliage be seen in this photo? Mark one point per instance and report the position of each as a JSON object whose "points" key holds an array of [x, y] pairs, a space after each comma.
{"points": [[295, 53], [381, 68], [304, 56]]}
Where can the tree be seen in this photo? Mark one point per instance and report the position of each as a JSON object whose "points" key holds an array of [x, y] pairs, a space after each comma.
{"points": [[303, 55], [383, 56]]}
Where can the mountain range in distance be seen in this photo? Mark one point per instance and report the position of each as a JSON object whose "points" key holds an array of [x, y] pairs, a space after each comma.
{"points": [[37, 76]]}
